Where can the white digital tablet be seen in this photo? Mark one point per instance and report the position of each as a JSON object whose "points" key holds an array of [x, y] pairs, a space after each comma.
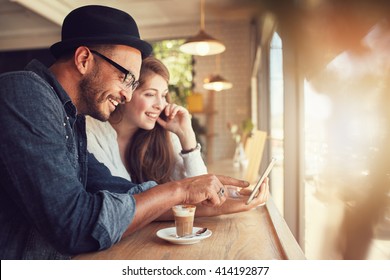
{"points": [[258, 184]]}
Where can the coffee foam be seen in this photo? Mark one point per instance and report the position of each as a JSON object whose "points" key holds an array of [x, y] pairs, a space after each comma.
{"points": [[184, 210], [183, 213]]}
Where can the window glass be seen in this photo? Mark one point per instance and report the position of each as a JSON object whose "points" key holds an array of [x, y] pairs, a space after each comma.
{"points": [[276, 119], [180, 68], [347, 158]]}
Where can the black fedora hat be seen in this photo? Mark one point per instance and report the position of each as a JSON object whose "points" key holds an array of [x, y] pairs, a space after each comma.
{"points": [[96, 24]]}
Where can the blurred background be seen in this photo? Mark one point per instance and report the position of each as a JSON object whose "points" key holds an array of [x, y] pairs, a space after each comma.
{"points": [[314, 75]]}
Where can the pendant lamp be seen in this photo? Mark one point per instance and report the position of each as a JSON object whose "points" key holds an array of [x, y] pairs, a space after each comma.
{"points": [[202, 44], [215, 81]]}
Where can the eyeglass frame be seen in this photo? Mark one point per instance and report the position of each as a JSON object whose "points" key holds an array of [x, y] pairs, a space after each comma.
{"points": [[129, 79]]}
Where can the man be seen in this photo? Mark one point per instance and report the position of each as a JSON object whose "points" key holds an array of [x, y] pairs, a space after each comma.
{"points": [[56, 199]]}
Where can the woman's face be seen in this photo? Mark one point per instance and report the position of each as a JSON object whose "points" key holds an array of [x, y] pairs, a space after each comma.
{"points": [[147, 103]]}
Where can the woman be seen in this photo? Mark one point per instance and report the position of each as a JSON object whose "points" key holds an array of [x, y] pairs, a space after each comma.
{"points": [[148, 138]]}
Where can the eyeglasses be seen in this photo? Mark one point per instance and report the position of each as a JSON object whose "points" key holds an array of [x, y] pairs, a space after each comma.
{"points": [[129, 80]]}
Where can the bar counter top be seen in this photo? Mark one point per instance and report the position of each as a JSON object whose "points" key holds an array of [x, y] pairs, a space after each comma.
{"points": [[260, 234]]}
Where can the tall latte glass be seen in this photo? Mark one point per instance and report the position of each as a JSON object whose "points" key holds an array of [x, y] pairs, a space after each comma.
{"points": [[184, 219]]}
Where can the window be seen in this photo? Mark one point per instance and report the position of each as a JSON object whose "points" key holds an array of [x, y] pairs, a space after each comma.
{"points": [[277, 120], [347, 195], [180, 67]]}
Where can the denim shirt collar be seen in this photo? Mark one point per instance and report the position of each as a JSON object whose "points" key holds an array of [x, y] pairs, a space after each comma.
{"points": [[44, 72]]}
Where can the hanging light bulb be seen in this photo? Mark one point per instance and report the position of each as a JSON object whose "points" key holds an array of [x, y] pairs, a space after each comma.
{"points": [[215, 81], [202, 44], [202, 48]]}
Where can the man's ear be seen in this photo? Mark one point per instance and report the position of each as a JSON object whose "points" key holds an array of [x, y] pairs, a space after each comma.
{"points": [[82, 59]]}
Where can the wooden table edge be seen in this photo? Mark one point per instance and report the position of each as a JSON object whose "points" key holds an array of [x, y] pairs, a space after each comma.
{"points": [[290, 246]]}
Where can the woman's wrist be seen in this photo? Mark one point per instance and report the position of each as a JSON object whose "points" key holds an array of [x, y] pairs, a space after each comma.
{"points": [[188, 140], [197, 147]]}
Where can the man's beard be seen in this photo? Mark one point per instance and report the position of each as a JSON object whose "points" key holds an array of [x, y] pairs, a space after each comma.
{"points": [[91, 96]]}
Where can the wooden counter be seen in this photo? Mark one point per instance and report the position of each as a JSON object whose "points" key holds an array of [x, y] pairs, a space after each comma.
{"points": [[257, 234]]}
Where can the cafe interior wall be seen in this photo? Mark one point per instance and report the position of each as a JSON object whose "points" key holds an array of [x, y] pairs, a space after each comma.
{"points": [[232, 105]]}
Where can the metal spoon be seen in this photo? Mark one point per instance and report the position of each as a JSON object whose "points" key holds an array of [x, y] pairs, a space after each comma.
{"points": [[199, 232]]}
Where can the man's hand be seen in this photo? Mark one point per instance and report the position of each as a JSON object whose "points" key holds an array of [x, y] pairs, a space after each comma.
{"points": [[210, 190], [236, 201]]}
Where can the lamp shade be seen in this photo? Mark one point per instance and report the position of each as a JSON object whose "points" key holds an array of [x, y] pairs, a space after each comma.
{"points": [[202, 44], [217, 83]]}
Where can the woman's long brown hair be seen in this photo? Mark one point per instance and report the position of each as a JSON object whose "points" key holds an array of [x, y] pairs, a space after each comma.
{"points": [[149, 155]]}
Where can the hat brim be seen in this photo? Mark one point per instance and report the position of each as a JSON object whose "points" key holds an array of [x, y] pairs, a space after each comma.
{"points": [[60, 47]]}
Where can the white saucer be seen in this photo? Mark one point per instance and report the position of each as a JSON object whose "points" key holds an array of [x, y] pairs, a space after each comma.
{"points": [[169, 234]]}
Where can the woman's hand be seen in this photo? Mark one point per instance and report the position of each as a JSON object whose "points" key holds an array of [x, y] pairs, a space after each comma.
{"points": [[179, 122]]}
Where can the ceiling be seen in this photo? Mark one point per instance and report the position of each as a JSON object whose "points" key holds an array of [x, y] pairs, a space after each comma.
{"points": [[36, 23]]}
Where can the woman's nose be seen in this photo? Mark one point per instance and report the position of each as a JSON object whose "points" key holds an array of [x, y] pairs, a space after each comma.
{"points": [[160, 102]]}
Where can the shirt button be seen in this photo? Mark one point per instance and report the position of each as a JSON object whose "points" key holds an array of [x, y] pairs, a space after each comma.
{"points": [[66, 136], [64, 124]]}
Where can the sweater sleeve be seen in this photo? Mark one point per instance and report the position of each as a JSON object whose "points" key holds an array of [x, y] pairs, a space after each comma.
{"points": [[187, 165]]}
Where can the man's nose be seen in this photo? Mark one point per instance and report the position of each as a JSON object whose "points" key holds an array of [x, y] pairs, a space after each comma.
{"points": [[126, 96]]}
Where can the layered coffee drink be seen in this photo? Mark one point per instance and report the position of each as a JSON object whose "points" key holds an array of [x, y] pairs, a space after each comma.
{"points": [[184, 219]]}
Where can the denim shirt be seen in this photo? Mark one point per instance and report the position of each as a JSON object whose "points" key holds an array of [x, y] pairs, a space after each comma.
{"points": [[56, 199]]}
